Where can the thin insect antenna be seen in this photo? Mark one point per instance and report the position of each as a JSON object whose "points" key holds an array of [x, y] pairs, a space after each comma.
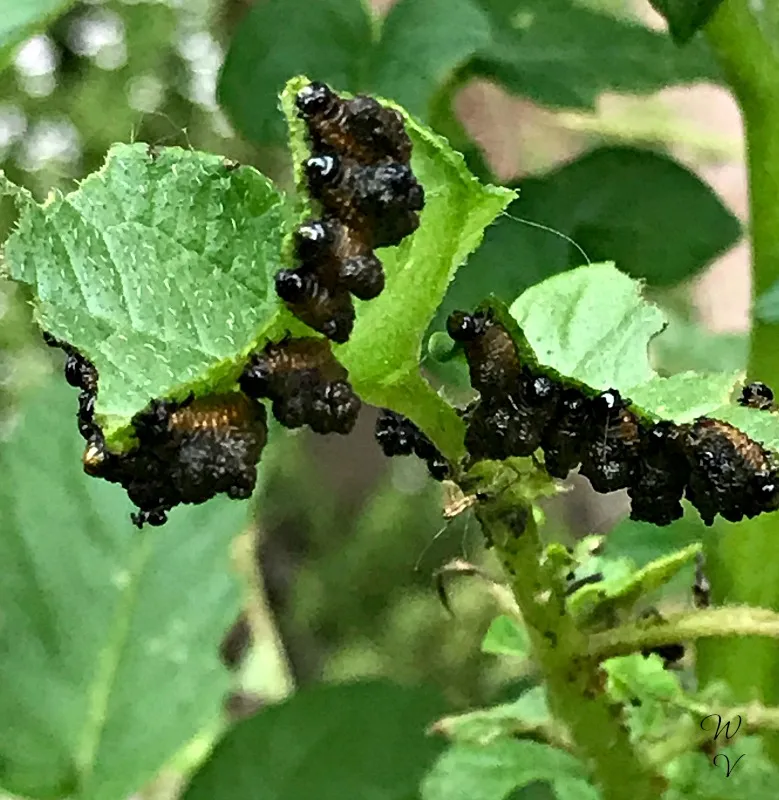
{"points": [[464, 540], [546, 228], [177, 130], [430, 544], [136, 127]]}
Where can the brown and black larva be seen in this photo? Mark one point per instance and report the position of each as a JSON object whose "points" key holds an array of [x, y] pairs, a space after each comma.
{"points": [[359, 174], [399, 436], [305, 384], [521, 409], [186, 452]]}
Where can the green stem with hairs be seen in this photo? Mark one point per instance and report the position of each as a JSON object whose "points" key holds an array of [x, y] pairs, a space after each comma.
{"points": [[573, 679], [742, 562]]}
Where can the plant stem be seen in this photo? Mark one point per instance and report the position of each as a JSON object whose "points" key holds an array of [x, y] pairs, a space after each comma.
{"points": [[574, 682], [742, 564], [714, 622]]}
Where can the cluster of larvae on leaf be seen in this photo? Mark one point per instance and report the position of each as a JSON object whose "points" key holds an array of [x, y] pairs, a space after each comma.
{"points": [[359, 173], [189, 450], [523, 408]]}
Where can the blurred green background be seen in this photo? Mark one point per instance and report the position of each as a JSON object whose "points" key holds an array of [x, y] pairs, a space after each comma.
{"points": [[614, 138]]}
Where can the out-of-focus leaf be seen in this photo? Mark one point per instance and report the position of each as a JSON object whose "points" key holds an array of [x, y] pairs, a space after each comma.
{"points": [[767, 306], [422, 43], [21, 19], [331, 41], [383, 353], [686, 345], [329, 742], [506, 637], [693, 776], [686, 396], [619, 204], [469, 772], [685, 17], [158, 268], [590, 324], [562, 54], [106, 633], [529, 714], [642, 542]]}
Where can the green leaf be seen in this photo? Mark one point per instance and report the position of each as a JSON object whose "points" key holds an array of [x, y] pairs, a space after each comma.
{"points": [[109, 636], [329, 742], [469, 772], [383, 352], [687, 345], [331, 41], [20, 20], [618, 593], [693, 776], [590, 324], [686, 396], [685, 17], [422, 43], [642, 542], [562, 54], [767, 306], [158, 268], [527, 716], [506, 637], [617, 203]]}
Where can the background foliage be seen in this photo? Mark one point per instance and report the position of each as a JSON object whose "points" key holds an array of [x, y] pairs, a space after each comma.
{"points": [[102, 628]]}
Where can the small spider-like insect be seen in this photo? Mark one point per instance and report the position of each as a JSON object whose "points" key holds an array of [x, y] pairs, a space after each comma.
{"points": [[305, 384], [757, 395], [361, 128]]}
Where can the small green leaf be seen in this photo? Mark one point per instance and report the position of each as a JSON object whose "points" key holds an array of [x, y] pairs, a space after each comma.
{"points": [[383, 352], [468, 772], [331, 41], [618, 593], [618, 204], [506, 637], [106, 633], [422, 43], [637, 676], [685, 17], [20, 20], [329, 742], [562, 54], [526, 715], [591, 324], [158, 268]]}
